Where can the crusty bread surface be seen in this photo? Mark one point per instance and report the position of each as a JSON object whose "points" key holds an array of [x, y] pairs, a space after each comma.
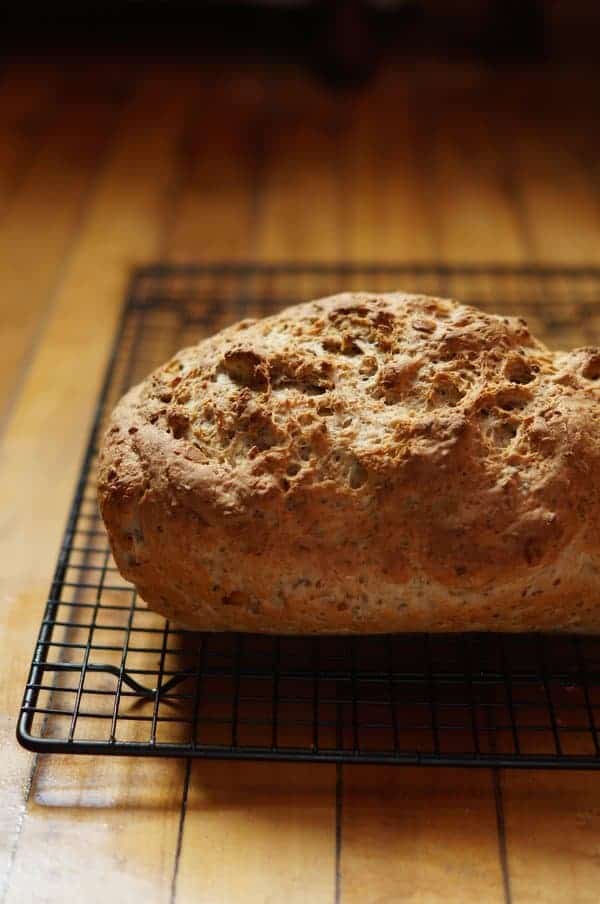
{"points": [[362, 463]]}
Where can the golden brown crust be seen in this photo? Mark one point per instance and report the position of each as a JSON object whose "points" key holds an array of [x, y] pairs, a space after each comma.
{"points": [[362, 463]]}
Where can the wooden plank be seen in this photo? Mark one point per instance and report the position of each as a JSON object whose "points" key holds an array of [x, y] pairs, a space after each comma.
{"points": [[27, 103], [553, 819], [553, 833], [258, 832], [112, 823], [109, 828], [385, 214], [219, 170], [475, 218], [299, 210], [44, 215], [262, 832], [299, 185], [553, 163], [417, 834]]}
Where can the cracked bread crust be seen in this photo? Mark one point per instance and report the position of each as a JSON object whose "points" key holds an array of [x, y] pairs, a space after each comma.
{"points": [[362, 463]]}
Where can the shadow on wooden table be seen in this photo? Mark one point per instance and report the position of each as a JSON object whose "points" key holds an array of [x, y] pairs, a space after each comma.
{"points": [[364, 829], [385, 832], [372, 833]]}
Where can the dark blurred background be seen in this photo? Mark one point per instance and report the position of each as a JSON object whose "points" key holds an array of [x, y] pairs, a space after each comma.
{"points": [[340, 39]]}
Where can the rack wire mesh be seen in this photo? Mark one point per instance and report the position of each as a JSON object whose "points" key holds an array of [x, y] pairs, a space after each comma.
{"points": [[109, 676]]}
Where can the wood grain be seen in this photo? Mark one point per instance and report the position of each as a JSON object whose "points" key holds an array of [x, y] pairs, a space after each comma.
{"points": [[41, 453], [43, 217], [219, 170], [299, 208], [279, 819], [430, 160], [419, 835], [553, 165], [553, 836], [28, 100], [385, 214], [475, 215]]}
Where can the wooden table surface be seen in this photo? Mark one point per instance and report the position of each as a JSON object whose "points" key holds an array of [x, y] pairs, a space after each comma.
{"points": [[107, 164]]}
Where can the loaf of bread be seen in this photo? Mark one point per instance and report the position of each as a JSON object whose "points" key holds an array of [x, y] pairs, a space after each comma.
{"points": [[363, 463]]}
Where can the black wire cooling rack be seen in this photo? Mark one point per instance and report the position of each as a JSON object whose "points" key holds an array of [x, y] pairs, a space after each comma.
{"points": [[110, 677]]}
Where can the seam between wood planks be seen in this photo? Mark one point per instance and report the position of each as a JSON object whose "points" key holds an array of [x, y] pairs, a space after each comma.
{"points": [[501, 825], [182, 816], [339, 815]]}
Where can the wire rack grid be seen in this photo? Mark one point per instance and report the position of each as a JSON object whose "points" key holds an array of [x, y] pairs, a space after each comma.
{"points": [[109, 676]]}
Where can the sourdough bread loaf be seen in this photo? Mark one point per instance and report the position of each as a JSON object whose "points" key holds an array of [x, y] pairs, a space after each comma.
{"points": [[362, 463]]}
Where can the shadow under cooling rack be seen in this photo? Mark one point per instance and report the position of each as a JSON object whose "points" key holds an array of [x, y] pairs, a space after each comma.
{"points": [[110, 677]]}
